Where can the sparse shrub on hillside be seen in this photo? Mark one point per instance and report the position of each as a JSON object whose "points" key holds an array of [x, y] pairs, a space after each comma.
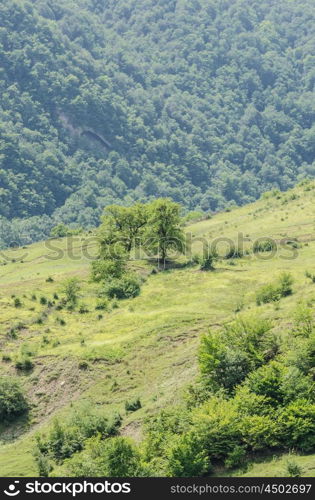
{"points": [[207, 261], [297, 421], [43, 464], [17, 302], [303, 320], [114, 266], [124, 288], [71, 288], [102, 305], [234, 253], [24, 363], [43, 301], [133, 405], [310, 276], [285, 284], [264, 245], [83, 309], [267, 293], [275, 291], [12, 400], [292, 468], [66, 438]]}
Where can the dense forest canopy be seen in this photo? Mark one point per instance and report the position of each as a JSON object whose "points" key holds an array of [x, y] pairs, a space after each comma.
{"points": [[209, 102]]}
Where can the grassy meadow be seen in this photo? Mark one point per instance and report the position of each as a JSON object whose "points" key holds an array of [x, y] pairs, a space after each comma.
{"points": [[145, 347]]}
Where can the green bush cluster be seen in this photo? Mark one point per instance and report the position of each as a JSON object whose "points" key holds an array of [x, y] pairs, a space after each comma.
{"points": [[275, 291], [66, 438], [12, 399]]}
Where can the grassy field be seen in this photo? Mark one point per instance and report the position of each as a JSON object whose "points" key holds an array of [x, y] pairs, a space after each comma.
{"points": [[145, 347]]}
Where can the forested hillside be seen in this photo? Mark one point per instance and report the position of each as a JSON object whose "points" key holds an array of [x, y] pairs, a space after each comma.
{"points": [[207, 102]]}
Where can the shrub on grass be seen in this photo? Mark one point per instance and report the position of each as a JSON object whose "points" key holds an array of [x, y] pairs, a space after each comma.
{"points": [[264, 245], [83, 309], [207, 261], [17, 302], [133, 405], [123, 288], [274, 292], [12, 399], [292, 469], [187, 457], [24, 363], [310, 276]]}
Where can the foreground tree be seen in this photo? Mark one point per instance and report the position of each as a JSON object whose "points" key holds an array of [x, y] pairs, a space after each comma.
{"points": [[164, 232]]}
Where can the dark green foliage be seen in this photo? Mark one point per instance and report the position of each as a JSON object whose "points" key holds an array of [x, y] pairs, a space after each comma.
{"points": [[127, 287], [66, 438], [293, 469], [264, 245], [275, 291], [111, 264], [133, 405], [24, 363], [83, 309], [310, 276], [12, 399], [207, 261], [187, 457], [117, 457], [17, 302], [71, 288], [227, 357]]}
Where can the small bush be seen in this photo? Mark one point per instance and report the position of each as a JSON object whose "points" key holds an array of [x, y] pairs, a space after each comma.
{"points": [[24, 363], [133, 405], [17, 302], [207, 261], [43, 301], [265, 245], [123, 288], [310, 276], [285, 284], [12, 399], [266, 294], [292, 469], [102, 305], [83, 309], [83, 365], [50, 279], [236, 458], [274, 292]]}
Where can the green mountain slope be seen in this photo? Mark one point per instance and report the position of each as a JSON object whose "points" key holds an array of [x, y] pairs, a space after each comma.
{"points": [[210, 103], [145, 347]]}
